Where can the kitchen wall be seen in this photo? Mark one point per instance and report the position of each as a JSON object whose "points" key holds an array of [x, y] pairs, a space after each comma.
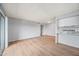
{"points": [[22, 29]]}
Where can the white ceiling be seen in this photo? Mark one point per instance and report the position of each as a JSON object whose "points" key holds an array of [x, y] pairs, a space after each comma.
{"points": [[38, 12]]}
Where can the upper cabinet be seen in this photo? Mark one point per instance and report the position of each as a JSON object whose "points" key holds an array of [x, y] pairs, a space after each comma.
{"points": [[69, 21]]}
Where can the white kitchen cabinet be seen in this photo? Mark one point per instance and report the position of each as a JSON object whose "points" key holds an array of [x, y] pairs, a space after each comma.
{"points": [[70, 21], [68, 31]]}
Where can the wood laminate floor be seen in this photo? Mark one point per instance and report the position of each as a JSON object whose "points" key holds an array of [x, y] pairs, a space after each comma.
{"points": [[40, 46]]}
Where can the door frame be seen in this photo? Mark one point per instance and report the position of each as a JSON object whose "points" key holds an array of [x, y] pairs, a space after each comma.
{"points": [[5, 29]]}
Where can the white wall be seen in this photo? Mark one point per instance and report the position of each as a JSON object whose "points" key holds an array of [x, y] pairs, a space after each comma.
{"points": [[49, 29], [21, 29]]}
